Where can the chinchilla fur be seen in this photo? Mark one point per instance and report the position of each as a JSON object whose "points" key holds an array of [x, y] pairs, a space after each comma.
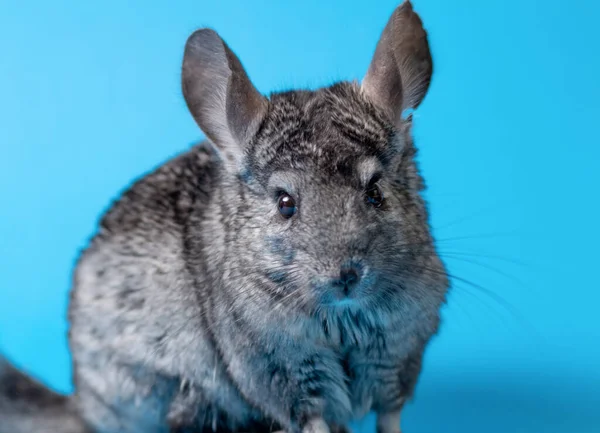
{"points": [[280, 275]]}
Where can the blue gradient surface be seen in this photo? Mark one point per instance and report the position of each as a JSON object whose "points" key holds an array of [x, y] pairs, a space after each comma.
{"points": [[90, 99]]}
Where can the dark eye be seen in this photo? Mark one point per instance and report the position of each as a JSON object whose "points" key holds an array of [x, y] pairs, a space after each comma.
{"points": [[286, 205], [374, 195]]}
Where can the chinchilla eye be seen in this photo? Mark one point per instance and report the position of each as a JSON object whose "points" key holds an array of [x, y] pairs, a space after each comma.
{"points": [[286, 205], [374, 195]]}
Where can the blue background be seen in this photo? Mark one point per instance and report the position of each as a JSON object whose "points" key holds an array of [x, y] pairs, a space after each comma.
{"points": [[90, 99]]}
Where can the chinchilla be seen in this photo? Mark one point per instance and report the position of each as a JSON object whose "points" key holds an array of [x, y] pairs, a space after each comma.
{"points": [[280, 275]]}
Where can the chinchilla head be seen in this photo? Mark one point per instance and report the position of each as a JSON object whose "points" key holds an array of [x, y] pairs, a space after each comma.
{"points": [[319, 201]]}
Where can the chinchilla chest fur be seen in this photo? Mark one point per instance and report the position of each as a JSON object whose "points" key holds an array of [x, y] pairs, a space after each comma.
{"points": [[279, 276]]}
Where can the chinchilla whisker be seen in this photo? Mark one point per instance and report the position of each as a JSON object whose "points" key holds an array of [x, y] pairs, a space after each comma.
{"points": [[480, 212], [491, 295], [477, 237], [486, 266], [483, 255]]}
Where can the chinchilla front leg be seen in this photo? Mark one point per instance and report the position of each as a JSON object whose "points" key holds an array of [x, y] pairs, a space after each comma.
{"points": [[305, 391]]}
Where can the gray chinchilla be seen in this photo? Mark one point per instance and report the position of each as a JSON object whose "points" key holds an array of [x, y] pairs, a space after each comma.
{"points": [[279, 276]]}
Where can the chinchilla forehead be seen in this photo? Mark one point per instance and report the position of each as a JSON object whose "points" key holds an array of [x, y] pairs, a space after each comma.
{"points": [[362, 172], [333, 130]]}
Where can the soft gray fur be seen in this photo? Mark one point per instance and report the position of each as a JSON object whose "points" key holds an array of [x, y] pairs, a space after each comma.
{"points": [[198, 307]]}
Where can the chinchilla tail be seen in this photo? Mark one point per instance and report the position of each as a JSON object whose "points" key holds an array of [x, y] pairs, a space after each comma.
{"points": [[27, 406]]}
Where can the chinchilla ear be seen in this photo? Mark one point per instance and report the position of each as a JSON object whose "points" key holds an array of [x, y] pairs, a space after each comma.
{"points": [[220, 96], [400, 71]]}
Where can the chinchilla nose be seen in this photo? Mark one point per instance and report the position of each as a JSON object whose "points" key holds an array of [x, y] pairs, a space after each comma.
{"points": [[349, 278]]}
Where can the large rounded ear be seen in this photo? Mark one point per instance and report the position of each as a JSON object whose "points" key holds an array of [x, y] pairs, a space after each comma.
{"points": [[400, 72], [220, 96]]}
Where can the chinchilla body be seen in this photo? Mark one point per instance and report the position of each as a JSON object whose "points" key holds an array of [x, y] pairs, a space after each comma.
{"points": [[280, 275]]}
